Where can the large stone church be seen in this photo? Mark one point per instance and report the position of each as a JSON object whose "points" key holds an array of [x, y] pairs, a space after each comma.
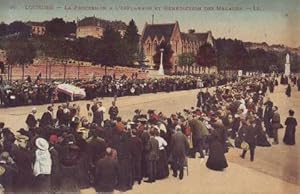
{"points": [[181, 42]]}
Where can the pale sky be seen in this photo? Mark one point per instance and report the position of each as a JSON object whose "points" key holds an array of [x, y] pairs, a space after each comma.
{"points": [[274, 22]]}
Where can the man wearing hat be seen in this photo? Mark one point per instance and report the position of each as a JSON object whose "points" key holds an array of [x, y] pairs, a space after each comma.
{"points": [[106, 174], [8, 171], [23, 159], [113, 111], [30, 120], [250, 135], [179, 148], [47, 118], [137, 115], [152, 155]]}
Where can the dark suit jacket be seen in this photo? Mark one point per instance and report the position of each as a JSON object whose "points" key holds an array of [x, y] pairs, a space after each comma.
{"points": [[179, 145], [31, 121], [46, 119], [106, 176]]}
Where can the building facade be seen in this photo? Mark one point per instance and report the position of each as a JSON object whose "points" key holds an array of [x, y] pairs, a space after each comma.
{"points": [[95, 27], [154, 34], [37, 28]]}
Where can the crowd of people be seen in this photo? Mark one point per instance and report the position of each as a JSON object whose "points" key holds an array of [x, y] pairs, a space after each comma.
{"points": [[66, 152], [29, 92]]}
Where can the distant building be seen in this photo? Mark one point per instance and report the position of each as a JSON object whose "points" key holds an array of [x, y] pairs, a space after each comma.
{"points": [[92, 26], [3, 61], [154, 34], [37, 28], [2, 56]]}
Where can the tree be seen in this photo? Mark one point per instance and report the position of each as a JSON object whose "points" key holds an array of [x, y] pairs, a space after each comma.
{"points": [[57, 27], [112, 47], [3, 29], [167, 55], [20, 52], [186, 60], [131, 38], [141, 58], [206, 56], [19, 28]]}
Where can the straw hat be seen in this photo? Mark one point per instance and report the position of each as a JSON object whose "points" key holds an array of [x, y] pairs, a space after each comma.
{"points": [[2, 170], [245, 145], [42, 144]]}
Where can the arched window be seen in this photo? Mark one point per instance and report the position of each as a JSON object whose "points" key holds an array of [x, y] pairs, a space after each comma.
{"points": [[155, 45], [148, 47]]}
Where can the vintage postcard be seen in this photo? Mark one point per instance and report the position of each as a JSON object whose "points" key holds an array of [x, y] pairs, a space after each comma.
{"points": [[149, 97]]}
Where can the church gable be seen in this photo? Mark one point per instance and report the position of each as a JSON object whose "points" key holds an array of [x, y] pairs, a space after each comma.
{"points": [[161, 31]]}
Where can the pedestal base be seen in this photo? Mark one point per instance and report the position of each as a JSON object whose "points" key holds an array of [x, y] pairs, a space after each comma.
{"points": [[287, 69]]}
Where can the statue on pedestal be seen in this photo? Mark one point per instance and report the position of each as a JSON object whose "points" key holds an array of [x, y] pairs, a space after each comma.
{"points": [[287, 69]]}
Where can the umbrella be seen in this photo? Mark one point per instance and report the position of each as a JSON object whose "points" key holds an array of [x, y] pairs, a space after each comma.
{"points": [[71, 90]]}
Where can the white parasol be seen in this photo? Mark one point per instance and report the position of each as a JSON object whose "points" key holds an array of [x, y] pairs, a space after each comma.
{"points": [[71, 90]]}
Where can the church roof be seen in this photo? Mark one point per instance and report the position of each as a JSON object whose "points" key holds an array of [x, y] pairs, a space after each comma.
{"points": [[158, 30], [194, 37]]}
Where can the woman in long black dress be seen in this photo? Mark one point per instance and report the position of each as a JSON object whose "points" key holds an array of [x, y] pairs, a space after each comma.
{"points": [[216, 159], [291, 123], [288, 91]]}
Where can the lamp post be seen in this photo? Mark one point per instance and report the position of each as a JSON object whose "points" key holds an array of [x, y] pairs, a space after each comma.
{"points": [[50, 68], [161, 67], [65, 69]]}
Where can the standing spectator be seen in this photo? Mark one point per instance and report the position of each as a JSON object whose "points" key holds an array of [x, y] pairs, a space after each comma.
{"points": [[199, 132], [288, 90], [136, 147], [298, 83], [275, 124], [8, 172], [107, 174], [59, 114], [47, 118], [250, 135], [113, 111], [162, 163], [99, 115], [152, 148], [200, 98], [31, 120], [216, 159], [42, 166], [179, 148], [291, 123], [268, 113]]}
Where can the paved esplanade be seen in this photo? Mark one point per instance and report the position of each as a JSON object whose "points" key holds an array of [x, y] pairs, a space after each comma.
{"points": [[275, 170]]}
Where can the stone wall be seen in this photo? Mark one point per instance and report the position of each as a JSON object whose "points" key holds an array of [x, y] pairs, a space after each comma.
{"points": [[85, 72]]}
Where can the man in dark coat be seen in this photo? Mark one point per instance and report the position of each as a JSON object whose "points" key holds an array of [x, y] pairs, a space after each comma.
{"points": [[8, 171], [275, 124], [136, 147], [298, 83], [199, 132], [124, 152], [107, 173], [30, 120], [59, 114], [113, 111], [23, 159], [267, 117], [200, 99], [99, 115], [95, 148], [179, 148], [250, 135], [47, 118], [152, 148]]}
